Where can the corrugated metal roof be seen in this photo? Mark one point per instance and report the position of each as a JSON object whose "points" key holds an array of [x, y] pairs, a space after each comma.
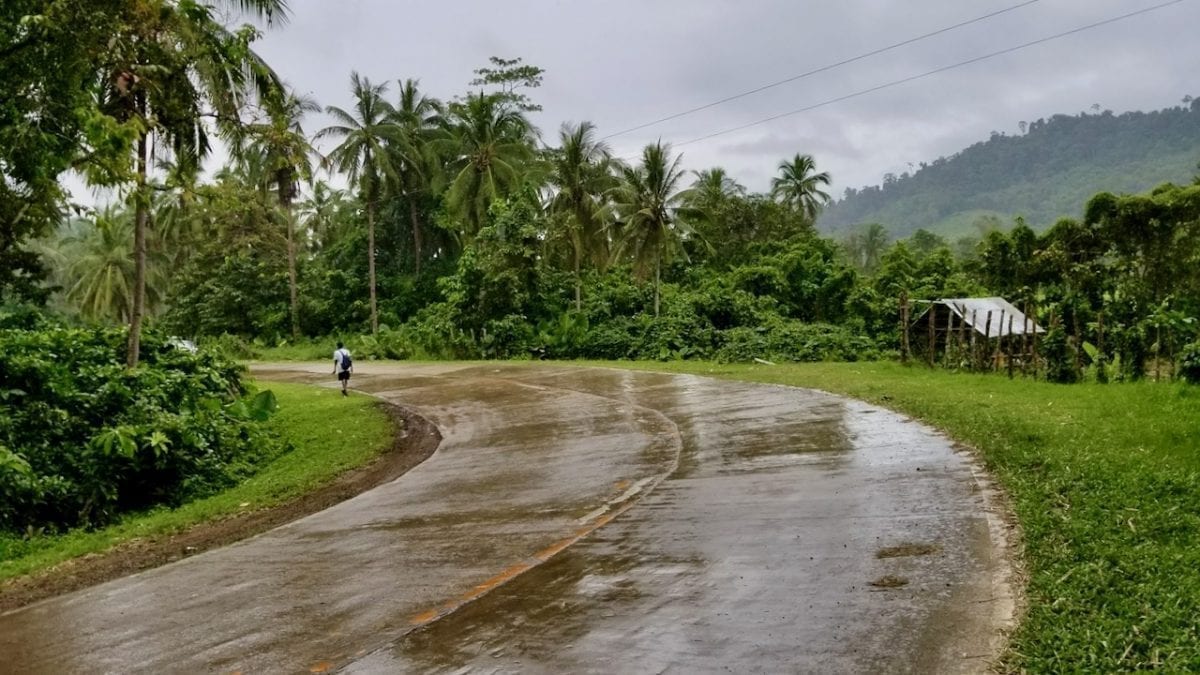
{"points": [[974, 311]]}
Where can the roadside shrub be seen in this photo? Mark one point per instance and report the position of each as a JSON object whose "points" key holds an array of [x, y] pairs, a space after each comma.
{"points": [[789, 340], [83, 439], [1060, 357], [1189, 363]]}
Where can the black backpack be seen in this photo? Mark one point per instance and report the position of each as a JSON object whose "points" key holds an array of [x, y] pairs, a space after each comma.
{"points": [[346, 360]]}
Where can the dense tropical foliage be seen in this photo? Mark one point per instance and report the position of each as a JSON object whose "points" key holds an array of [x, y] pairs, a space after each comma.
{"points": [[462, 233], [83, 439]]}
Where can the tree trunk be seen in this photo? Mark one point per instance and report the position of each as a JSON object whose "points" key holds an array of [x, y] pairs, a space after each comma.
{"points": [[578, 284], [291, 253], [657, 277], [416, 228], [371, 264], [142, 206]]}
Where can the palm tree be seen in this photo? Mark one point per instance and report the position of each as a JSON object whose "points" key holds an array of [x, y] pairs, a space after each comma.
{"points": [[798, 186], [418, 118], [363, 155], [171, 66], [95, 266], [285, 153], [874, 241], [649, 204], [713, 187], [491, 145], [582, 177], [324, 215]]}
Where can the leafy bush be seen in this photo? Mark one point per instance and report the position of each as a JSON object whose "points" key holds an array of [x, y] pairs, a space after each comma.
{"points": [[1060, 357], [1189, 363], [788, 340], [83, 439]]}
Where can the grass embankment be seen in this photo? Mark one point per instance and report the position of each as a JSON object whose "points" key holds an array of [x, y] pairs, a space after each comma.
{"points": [[330, 435], [1104, 480]]}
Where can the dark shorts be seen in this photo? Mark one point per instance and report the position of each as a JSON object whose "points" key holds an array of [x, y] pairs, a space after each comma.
{"points": [[344, 375]]}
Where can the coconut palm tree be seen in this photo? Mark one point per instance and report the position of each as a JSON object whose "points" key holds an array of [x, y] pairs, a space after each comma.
{"points": [[491, 147], [798, 186], [171, 67], [363, 155], [874, 241], [95, 266], [713, 187], [649, 204], [581, 177], [418, 118], [325, 215], [286, 155]]}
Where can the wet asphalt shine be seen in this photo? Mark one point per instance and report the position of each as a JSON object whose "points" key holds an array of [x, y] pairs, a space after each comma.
{"points": [[584, 520]]}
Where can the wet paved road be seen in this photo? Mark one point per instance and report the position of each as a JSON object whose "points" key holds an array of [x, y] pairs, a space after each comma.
{"points": [[584, 520]]}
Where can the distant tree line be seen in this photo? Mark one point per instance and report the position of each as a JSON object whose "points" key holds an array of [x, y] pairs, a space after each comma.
{"points": [[1045, 172]]}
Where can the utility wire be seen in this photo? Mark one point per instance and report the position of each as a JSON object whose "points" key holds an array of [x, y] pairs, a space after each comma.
{"points": [[822, 69], [935, 71]]}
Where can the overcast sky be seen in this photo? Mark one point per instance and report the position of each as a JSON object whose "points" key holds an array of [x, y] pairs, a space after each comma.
{"points": [[620, 63]]}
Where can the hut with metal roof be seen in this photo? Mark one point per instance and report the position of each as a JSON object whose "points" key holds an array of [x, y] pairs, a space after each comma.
{"points": [[973, 330]]}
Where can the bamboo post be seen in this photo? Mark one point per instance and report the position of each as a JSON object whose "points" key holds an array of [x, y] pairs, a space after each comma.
{"points": [[974, 360], [1010, 346], [1025, 341], [999, 342], [962, 335], [932, 333], [904, 348], [949, 361], [987, 338]]}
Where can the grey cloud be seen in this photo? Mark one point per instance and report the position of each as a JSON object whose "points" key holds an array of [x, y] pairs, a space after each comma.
{"points": [[625, 62]]}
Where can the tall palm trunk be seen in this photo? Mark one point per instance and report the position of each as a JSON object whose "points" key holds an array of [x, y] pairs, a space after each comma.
{"points": [[578, 283], [142, 205], [371, 263], [286, 207], [416, 228], [657, 280]]}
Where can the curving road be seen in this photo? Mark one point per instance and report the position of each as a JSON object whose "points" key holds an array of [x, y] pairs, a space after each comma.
{"points": [[585, 520]]}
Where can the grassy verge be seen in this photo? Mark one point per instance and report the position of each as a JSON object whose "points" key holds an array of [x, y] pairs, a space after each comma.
{"points": [[331, 434], [1105, 481]]}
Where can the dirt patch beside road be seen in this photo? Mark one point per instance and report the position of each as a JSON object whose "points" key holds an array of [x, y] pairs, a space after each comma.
{"points": [[415, 442]]}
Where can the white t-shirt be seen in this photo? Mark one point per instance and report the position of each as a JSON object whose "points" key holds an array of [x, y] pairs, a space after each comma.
{"points": [[337, 358]]}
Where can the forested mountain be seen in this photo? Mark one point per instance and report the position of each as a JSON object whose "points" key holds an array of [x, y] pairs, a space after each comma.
{"points": [[1048, 170]]}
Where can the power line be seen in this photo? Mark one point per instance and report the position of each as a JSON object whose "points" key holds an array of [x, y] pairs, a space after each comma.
{"points": [[822, 69], [935, 71]]}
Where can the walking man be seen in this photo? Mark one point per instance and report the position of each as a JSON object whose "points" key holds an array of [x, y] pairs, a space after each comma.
{"points": [[342, 366]]}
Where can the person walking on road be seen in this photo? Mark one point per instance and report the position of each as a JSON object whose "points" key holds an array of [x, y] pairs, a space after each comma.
{"points": [[342, 366]]}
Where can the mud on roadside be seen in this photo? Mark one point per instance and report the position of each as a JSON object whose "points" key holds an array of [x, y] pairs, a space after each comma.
{"points": [[416, 440]]}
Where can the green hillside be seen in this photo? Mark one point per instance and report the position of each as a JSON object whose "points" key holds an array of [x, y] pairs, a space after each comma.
{"points": [[1047, 172]]}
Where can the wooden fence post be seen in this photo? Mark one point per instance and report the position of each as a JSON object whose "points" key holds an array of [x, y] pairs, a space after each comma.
{"points": [[1025, 341], [962, 336], [987, 341], [999, 342], [1010, 346], [932, 334], [974, 360], [949, 362]]}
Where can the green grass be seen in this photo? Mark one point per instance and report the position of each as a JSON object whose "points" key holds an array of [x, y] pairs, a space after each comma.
{"points": [[330, 434], [1104, 480]]}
